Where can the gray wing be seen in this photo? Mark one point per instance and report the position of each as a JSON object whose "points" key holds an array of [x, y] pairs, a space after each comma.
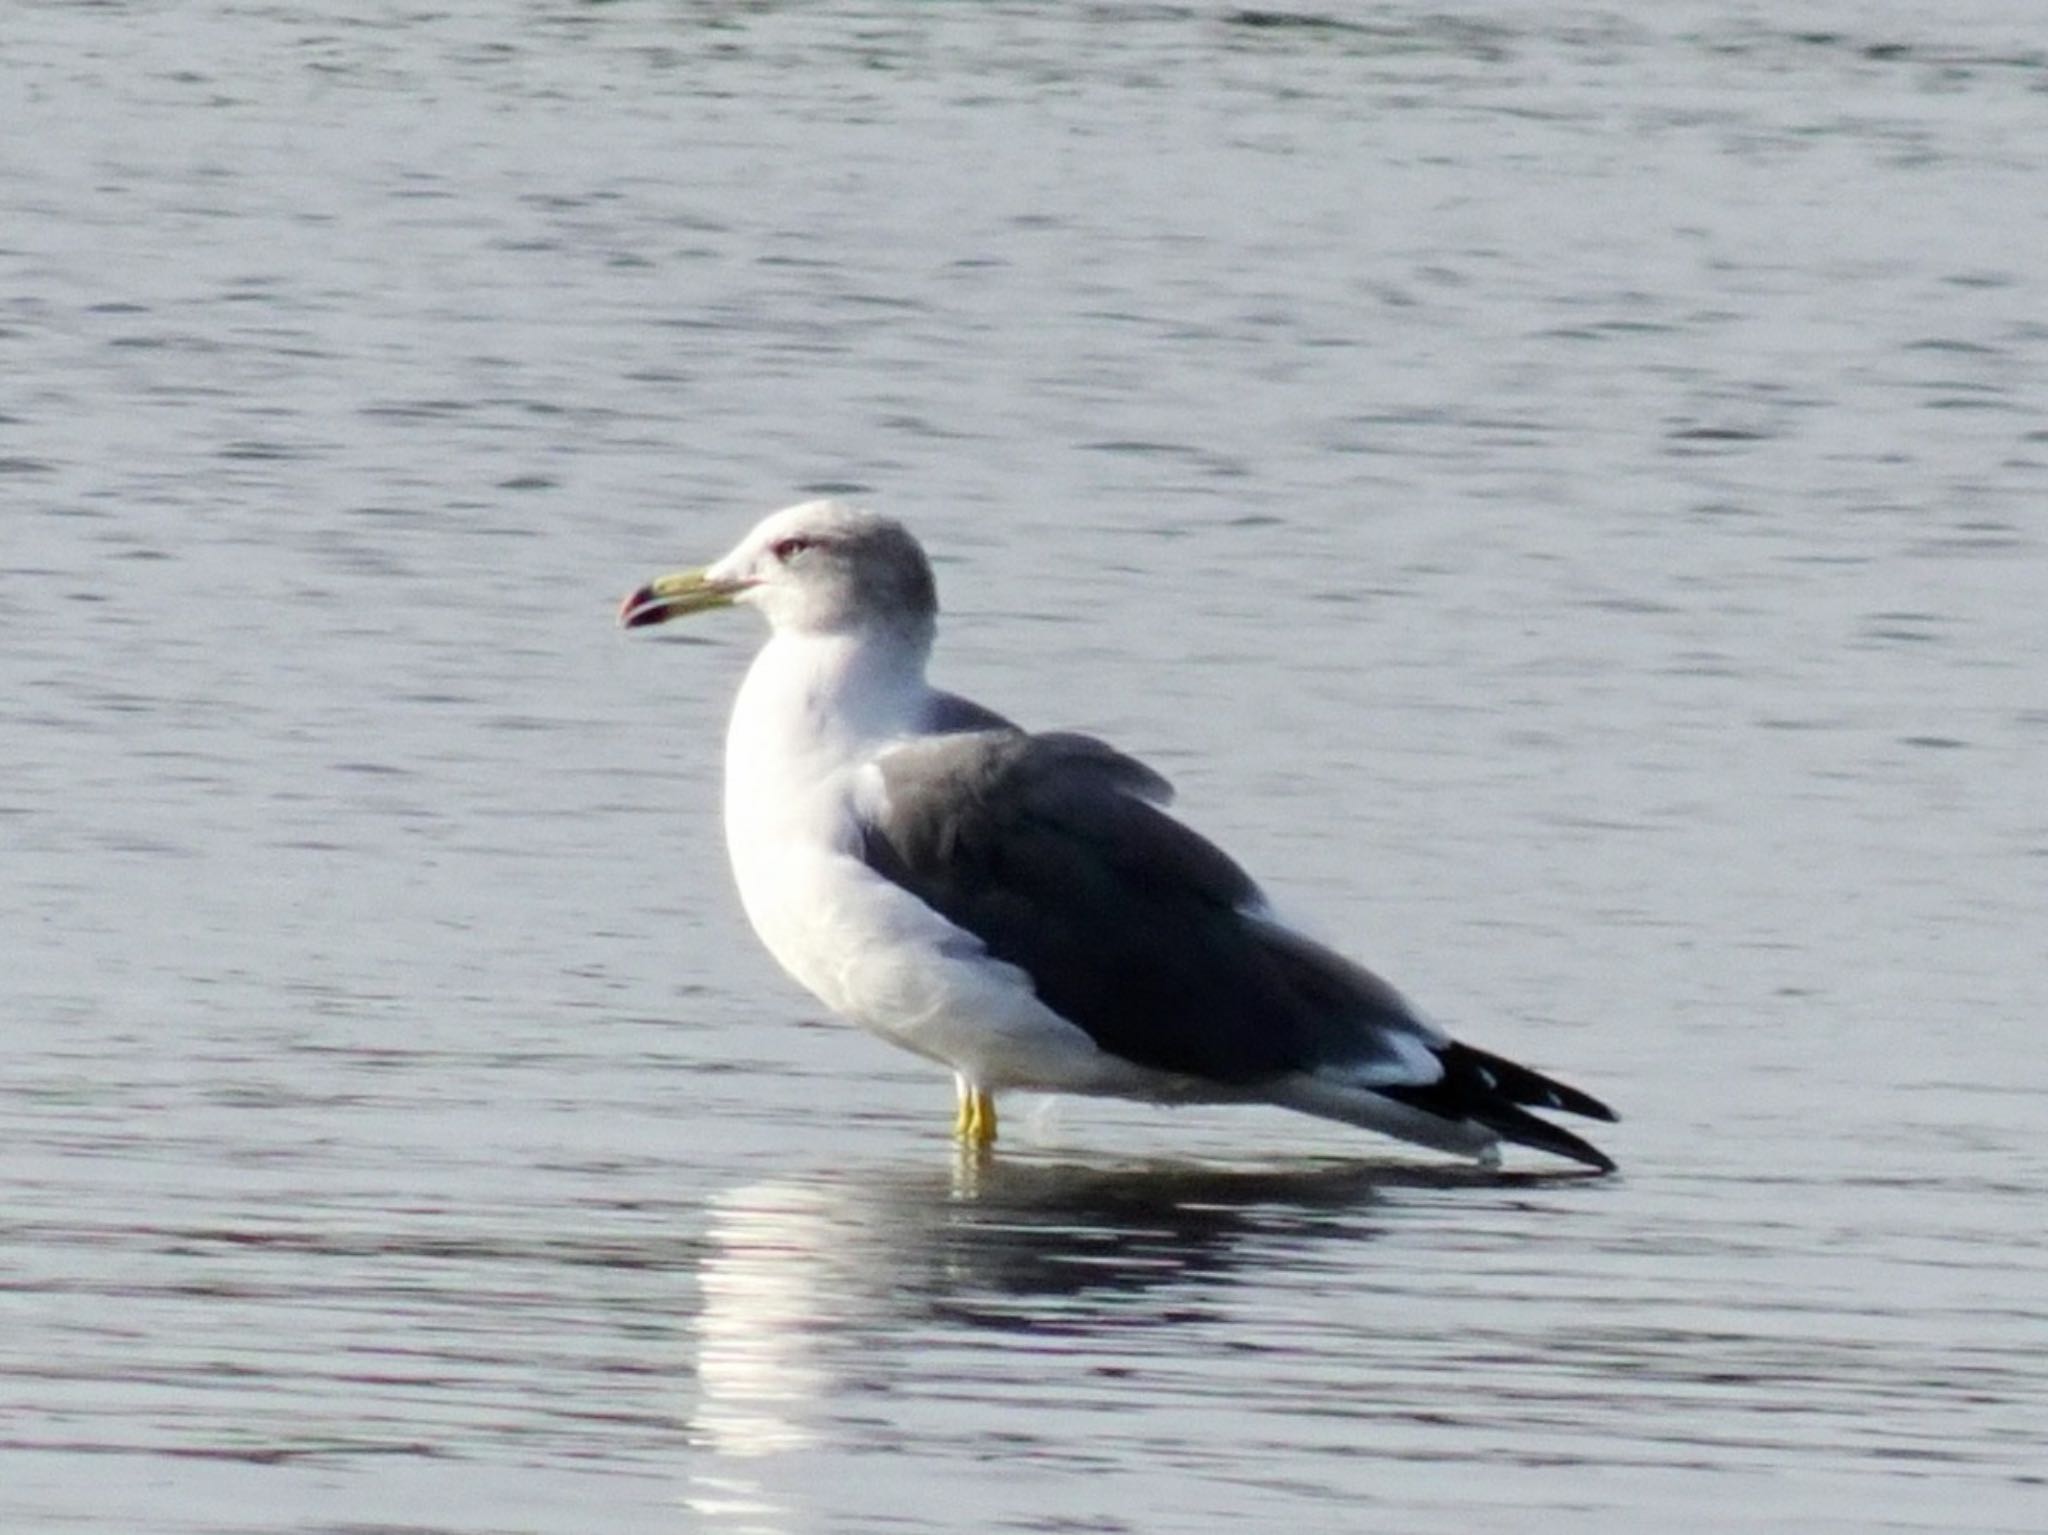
{"points": [[951, 714], [1053, 851]]}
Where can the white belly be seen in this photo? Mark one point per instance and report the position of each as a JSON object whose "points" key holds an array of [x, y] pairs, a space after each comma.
{"points": [[876, 955], [868, 949]]}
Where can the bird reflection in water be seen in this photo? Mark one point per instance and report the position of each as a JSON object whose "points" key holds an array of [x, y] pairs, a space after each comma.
{"points": [[820, 1293]]}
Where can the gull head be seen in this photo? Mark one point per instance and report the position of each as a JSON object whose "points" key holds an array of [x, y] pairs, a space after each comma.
{"points": [[821, 567]]}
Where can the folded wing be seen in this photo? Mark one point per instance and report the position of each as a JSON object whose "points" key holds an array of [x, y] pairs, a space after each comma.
{"points": [[1054, 852]]}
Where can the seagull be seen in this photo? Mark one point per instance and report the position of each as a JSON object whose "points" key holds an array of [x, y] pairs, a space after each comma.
{"points": [[1021, 908]]}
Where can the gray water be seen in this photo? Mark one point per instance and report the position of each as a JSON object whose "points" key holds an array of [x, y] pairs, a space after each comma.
{"points": [[1560, 489]]}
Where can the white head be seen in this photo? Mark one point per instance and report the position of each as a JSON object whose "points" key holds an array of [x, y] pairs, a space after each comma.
{"points": [[821, 567]]}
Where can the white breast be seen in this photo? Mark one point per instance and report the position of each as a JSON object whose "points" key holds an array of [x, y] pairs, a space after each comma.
{"points": [[866, 948]]}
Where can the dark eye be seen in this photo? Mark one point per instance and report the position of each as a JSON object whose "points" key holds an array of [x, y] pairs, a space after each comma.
{"points": [[787, 549]]}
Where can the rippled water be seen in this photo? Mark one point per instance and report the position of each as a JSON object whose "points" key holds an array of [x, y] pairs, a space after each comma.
{"points": [[1559, 489]]}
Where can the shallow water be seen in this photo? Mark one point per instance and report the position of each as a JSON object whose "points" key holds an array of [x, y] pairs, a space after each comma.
{"points": [[1560, 492]]}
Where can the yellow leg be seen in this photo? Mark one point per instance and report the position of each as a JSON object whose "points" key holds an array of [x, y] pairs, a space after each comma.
{"points": [[974, 1125], [981, 1129], [963, 1116]]}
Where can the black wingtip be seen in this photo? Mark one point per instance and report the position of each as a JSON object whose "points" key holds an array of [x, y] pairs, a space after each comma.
{"points": [[1593, 1108], [1505, 1080], [1525, 1129], [1497, 1093]]}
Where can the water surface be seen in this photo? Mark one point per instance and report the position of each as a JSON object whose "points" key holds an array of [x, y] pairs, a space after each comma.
{"points": [[1559, 490]]}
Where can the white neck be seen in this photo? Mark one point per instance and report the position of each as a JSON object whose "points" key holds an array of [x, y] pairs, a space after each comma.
{"points": [[823, 698], [814, 707]]}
